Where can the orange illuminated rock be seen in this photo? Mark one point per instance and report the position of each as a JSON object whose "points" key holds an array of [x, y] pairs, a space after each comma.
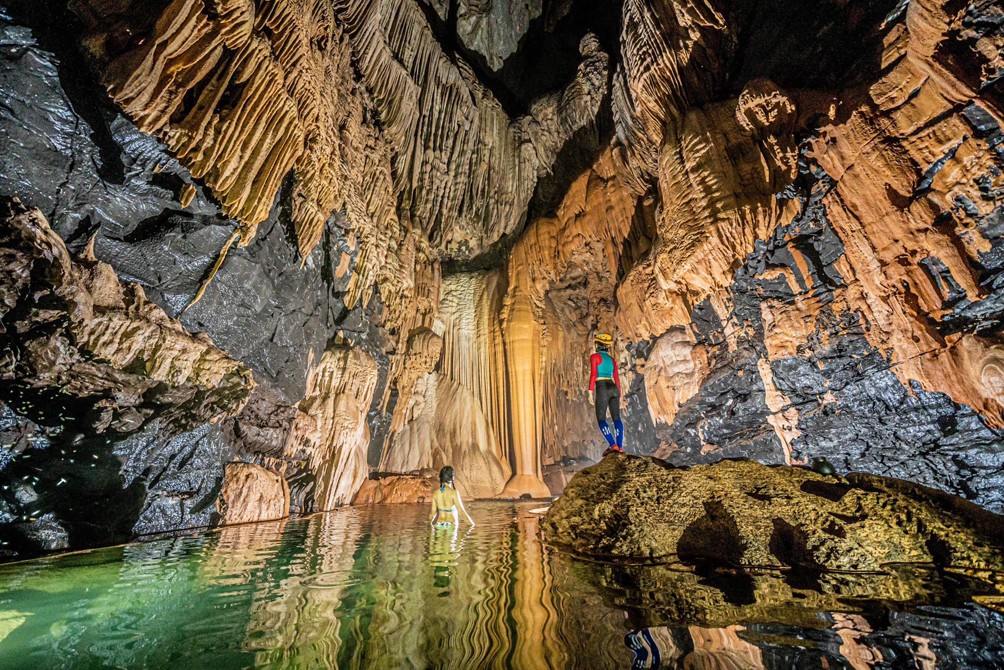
{"points": [[673, 373], [331, 432], [252, 493], [561, 276], [396, 489]]}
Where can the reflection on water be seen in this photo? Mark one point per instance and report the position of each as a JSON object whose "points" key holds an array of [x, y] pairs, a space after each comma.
{"points": [[378, 588]]}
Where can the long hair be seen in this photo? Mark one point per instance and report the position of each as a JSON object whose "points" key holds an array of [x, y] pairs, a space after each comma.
{"points": [[446, 476]]}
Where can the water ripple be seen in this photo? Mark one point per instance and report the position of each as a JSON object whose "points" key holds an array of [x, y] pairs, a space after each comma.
{"points": [[378, 588]]}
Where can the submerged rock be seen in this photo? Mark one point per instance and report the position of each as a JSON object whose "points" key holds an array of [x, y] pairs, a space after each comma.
{"points": [[742, 513]]}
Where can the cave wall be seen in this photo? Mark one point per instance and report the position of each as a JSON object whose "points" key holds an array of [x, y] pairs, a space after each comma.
{"points": [[806, 264], [404, 232], [823, 282]]}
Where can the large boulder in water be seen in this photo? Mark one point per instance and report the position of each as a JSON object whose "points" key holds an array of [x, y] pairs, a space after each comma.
{"points": [[742, 513]]}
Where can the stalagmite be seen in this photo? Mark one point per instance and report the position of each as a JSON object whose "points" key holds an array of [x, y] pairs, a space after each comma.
{"points": [[560, 276], [523, 359]]}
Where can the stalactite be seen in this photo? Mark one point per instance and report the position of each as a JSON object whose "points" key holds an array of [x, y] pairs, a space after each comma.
{"points": [[451, 407], [465, 170], [669, 63], [244, 93], [523, 362], [473, 349]]}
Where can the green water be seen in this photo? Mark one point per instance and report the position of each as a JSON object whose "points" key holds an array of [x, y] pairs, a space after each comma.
{"points": [[377, 588]]}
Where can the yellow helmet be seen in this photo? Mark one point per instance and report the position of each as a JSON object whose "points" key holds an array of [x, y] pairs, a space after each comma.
{"points": [[604, 339]]}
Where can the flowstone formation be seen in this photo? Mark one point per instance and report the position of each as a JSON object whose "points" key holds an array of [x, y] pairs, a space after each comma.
{"points": [[404, 221]]}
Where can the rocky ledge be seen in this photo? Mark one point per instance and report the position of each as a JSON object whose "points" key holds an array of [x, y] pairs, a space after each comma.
{"points": [[742, 513]]}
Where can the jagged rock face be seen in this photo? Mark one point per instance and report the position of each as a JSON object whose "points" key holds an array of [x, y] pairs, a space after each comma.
{"points": [[747, 514], [72, 328], [243, 93], [110, 375]]}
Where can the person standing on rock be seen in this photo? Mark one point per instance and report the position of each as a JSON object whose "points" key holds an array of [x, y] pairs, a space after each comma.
{"points": [[605, 392], [447, 499]]}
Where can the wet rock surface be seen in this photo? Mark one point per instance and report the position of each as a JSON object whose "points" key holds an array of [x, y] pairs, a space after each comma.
{"points": [[850, 406], [106, 186], [252, 493], [94, 372]]}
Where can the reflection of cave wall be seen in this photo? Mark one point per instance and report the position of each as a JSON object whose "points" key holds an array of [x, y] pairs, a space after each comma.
{"points": [[788, 214]]}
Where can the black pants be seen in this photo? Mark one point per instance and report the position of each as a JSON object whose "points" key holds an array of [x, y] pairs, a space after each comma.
{"points": [[607, 397]]}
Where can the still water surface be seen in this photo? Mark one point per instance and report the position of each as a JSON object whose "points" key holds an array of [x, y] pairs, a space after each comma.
{"points": [[377, 588]]}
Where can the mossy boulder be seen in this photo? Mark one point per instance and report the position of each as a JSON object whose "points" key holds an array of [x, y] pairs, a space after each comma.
{"points": [[742, 513]]}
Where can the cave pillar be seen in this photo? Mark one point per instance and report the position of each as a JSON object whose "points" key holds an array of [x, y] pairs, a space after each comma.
{"points": [[523, 357]]}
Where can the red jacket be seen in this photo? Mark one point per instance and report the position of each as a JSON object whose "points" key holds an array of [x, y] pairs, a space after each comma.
{"points": [[594, 363]]}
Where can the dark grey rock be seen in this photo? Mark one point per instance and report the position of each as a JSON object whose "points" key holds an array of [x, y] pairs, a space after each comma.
{"points": [[853, 410], [81, 172], [45, 532], [182, 475], [68, 151]]}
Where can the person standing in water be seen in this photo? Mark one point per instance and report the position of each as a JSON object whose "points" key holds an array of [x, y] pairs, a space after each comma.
{"points": [[447, 499], [605, 392]]}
